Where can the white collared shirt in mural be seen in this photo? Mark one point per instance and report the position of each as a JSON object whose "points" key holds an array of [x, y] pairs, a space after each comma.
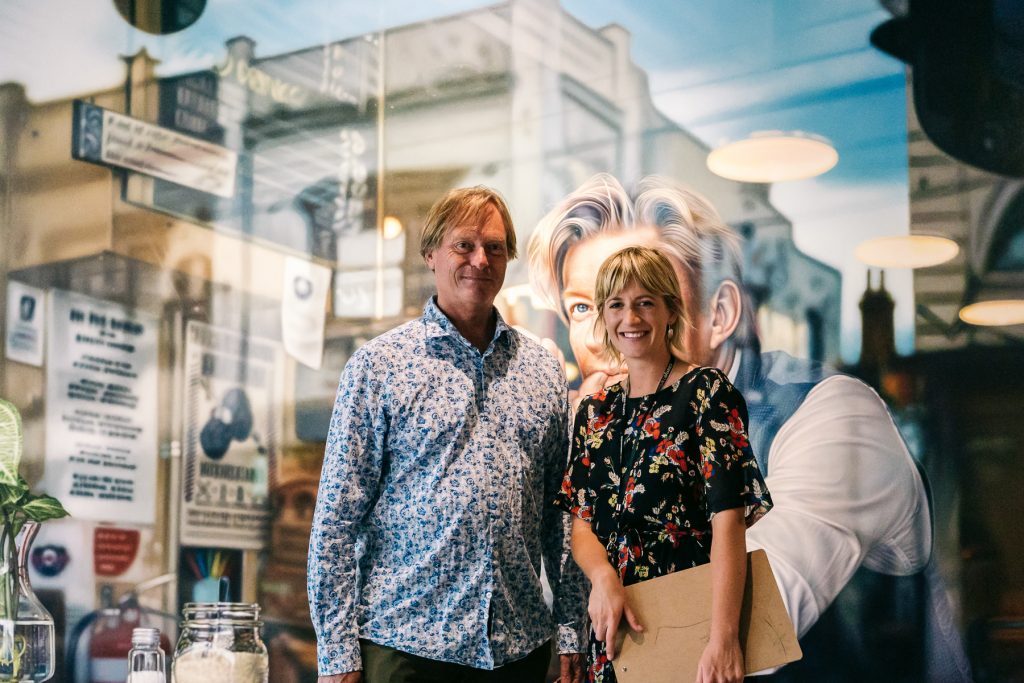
{"points": [[435, 503]]}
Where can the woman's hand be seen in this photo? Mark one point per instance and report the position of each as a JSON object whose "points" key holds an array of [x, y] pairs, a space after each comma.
{"points": [[721, 662], [722, 659], [607, 607]]}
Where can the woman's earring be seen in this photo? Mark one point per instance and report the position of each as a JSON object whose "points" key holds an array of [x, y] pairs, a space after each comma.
{"points": [[669, 331]]}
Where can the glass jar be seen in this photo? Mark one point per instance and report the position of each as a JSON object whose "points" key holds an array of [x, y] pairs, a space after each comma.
{"points": [[146, 659], [220, 641]]}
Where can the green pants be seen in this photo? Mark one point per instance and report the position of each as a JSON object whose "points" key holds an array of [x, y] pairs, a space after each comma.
{"points": [[388, 665]]}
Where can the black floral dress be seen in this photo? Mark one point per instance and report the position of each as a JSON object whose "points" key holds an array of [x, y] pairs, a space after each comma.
{"points": [[650, 484]]}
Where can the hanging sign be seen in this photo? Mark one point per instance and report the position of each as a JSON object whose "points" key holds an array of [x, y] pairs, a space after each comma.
{"points": [[112, 139], [304, 310]]}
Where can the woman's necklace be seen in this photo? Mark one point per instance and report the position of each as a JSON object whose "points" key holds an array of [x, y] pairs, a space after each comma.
{"points": [[641, 410]]}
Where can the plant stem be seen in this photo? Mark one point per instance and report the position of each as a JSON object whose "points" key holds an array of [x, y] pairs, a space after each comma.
{"points": [[9, 657]]}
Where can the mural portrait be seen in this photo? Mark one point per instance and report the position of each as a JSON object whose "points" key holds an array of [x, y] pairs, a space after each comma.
{"points": [[848, 494]]}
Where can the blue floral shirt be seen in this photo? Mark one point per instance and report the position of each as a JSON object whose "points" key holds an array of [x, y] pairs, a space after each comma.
{"points": [[435, 503]]}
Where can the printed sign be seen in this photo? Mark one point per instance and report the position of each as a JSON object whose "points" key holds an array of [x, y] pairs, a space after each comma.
{"points": [[101, 409], [26, 311], [303, 310], [106, 137], [231, 435], [114, 550]]}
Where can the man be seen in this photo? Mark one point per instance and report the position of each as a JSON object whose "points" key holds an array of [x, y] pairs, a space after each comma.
{"points": [[447, 443], [847, 492]]}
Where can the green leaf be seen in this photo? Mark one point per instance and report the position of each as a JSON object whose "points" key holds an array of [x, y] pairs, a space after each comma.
{"points": [[10, 442], [42, 508], [12, 495]]}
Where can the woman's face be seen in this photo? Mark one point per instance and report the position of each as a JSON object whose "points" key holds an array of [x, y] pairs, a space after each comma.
{"points": [[637, 322], [580, 274]]}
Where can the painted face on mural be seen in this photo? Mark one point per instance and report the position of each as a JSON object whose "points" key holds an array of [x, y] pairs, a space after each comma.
{"points": [[582, 262]]}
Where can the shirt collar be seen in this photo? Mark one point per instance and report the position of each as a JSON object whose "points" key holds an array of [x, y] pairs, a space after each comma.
{"points": [[438, 325], [735, 369]]}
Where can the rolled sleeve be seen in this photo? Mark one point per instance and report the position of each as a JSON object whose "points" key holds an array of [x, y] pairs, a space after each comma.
{"points": [[845, 485], [348, 483]]}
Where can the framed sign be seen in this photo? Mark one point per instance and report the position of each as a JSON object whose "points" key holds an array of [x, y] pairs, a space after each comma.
{"points": [[101, 409]]}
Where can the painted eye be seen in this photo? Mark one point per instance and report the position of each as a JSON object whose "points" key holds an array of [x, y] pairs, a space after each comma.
{"points": [[579, 310]]}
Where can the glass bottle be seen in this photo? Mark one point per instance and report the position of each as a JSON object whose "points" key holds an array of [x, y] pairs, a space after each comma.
{"points": [[26, 628], [220, 641], [146, 663]]}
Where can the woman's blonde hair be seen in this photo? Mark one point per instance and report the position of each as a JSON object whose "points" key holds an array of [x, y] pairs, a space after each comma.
{"points": [[649, 269]]}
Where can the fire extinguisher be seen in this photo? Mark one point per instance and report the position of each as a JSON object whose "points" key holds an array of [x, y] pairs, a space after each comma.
{"points": [[110, 638]]}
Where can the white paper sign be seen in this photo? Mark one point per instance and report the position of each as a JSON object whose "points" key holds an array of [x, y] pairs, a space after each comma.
{"points": [[101, 409], [231, 433], [303, 310], [356, 293], [26, 311]]}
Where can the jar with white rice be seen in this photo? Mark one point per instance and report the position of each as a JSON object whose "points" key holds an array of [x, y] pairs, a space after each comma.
{"points": [[220, 641]]}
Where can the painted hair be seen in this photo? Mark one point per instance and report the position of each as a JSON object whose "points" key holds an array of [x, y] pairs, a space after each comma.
{"points": [[690, 230]]}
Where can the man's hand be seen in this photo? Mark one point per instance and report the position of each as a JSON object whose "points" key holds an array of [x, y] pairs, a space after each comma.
{"points": [[593, 383], [572, 667], [349, 677]]}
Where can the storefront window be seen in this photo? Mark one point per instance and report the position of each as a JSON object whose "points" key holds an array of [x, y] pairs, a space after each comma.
{"points": [[206, 207]]}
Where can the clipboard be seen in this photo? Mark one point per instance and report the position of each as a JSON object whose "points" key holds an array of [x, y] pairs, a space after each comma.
{"points": [[676, 613]]}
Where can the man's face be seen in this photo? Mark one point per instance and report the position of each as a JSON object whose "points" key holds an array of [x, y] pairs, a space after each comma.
{"points": [[580, 276], [469, 264]]}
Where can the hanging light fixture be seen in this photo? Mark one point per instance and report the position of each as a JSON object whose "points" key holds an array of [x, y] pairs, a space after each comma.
{"points": [[392, 228], [994, 313], [773, 156], [906, 251]]}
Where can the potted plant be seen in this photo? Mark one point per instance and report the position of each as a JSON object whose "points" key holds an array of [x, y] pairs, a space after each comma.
{"points": [[26, 628]]}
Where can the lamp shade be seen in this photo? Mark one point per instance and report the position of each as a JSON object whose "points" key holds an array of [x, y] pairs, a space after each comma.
{"points": [[906, 251], [994, 313], [773, 156]]}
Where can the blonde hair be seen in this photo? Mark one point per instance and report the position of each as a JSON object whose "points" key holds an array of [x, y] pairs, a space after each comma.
{"points": [[689, 229], [651, 271], [464, 206]]}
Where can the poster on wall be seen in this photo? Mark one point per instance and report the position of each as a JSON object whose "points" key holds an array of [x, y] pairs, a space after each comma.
{"points": [[231, 384], [101, 409], [26, 310], [304, 310]]}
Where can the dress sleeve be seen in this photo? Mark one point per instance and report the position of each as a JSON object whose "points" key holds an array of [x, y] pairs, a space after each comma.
{"points": [[732, 478], [576, 495]]}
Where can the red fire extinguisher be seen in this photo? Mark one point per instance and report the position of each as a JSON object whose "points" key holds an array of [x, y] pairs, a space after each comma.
{"points": [[110, 639]]}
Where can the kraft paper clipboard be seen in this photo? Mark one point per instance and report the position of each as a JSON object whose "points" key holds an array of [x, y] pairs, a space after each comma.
{"points": [[675, 611]]}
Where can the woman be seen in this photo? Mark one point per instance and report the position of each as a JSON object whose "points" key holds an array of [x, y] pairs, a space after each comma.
{"points": [[660, 466]]}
